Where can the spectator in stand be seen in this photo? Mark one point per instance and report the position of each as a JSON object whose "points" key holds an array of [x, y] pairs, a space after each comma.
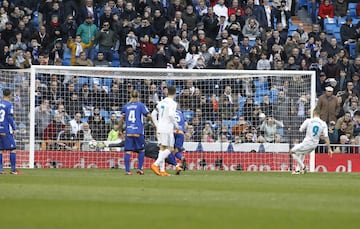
{"points": [[86, 99], [350, 92], [66, 139], [248, 63], [107, 40], [251, 28], [331, 69], [333, 49], [87, 32], [333, 133], [8, 33], [82, 60], [65, 118], [345, 125], [85, 136], [147, 47], [57, 51], [76, 124], [100, 61], [263, 63], [340, 8], [211, 24], [234, 63], [241, 128], [53, 129], [356, 123], [42, 118], [73, 105], [326, 10], [77, 46], [114, 98], [283, 14], [228, 104], [343, 148], [68, 28], [355, 66], [348, 32], [98, 127], [328, 105], [270, 127], [303, 34], [216, 62], [87, 10]]}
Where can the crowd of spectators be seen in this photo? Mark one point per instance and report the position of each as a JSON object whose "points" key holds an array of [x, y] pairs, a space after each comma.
{"points": [[184, 34]]}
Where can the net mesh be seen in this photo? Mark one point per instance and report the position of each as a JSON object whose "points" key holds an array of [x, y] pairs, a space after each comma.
{"points": [[237, 120]]}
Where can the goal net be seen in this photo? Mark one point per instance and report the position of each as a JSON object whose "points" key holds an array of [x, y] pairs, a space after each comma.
{"points": [[236, 120]]}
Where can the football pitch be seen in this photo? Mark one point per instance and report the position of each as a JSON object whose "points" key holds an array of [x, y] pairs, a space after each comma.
{"points": [[64, 198]]}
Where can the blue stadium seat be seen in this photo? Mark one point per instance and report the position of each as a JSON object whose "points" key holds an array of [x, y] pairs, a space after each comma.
{"points": [[99, 81], [115, 63], [116, 56], [107, 82], [352, 9], [229, 123], [302, 3], [82, 80], [329, 28], [341, 20], [251, 43], [356, 21], [66, 62], [337, 35], [84, 119], [105, 114]]}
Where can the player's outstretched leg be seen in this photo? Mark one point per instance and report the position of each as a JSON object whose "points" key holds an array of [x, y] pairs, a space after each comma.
{"points": [[1, 165], [13, 163], [127, 163], [164, 154], [141, 156]]}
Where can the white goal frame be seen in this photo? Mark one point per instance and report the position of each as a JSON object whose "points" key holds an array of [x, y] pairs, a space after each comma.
{"points": [[186, 74]]}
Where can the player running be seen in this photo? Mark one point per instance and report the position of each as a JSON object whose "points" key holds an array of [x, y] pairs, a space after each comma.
{"points": [[7, 131], [165, 114], [315, 128], [179, 136], [133, 114]]}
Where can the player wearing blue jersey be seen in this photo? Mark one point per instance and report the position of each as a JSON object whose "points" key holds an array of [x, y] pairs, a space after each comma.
{"points": [[315, 128], [7, 131], [179, 136], [133, 114]]}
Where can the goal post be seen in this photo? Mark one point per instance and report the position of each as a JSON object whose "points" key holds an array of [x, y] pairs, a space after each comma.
{"points": [[225, 129]]}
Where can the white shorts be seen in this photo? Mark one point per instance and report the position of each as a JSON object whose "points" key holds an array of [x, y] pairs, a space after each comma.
{"points": [[304, 148], [166, 139]]}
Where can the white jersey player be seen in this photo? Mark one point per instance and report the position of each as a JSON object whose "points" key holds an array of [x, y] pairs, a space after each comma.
{"points": [[164, 117], [315, 128]]}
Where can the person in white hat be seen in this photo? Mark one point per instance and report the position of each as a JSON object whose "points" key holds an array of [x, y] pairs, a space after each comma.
{"points": [[328, 105]]}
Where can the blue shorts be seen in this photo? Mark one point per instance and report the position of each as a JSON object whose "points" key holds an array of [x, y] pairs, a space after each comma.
{"points": [[7, 142], [134, 143], [179, 141]]}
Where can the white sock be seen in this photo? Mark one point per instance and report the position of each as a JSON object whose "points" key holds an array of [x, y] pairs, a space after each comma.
{"points": [[158, 160], [302, 159], [164, 154], [298, 161]]}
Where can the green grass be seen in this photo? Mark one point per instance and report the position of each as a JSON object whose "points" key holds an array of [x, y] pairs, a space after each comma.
{"points": [[61, 198]]}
